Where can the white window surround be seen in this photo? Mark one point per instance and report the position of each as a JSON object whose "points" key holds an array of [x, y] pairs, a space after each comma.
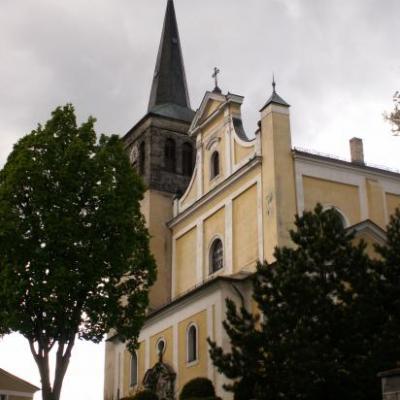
{"points": [[196, 359], [213, 169], [159, 340]]}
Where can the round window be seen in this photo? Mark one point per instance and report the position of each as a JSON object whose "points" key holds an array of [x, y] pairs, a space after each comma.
{"points": [[161, 346]]}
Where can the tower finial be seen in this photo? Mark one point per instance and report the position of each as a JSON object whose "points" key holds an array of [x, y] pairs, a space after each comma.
{"points": [[275, 98]]}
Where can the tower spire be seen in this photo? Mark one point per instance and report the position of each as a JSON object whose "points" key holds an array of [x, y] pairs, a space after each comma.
{"points": [[169, 83], [275, 98]]}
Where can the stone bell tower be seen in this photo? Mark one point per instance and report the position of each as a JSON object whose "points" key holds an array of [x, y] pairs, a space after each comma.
{"points": [[162, 152]]}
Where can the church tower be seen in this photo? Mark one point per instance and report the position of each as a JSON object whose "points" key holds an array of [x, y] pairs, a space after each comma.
{"points": [[161, 150]]}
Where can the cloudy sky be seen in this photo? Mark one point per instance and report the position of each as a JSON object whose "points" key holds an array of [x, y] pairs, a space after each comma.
{"points": [[335, 61]]}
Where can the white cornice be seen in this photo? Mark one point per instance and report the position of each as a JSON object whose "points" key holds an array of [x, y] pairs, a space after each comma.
{"points": [[339, 164]]}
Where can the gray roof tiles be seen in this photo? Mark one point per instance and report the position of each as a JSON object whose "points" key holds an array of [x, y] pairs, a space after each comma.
{"points": [[169, 86]]}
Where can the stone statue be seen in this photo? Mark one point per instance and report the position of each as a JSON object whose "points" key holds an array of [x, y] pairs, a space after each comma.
{"points": [[161, 380]]}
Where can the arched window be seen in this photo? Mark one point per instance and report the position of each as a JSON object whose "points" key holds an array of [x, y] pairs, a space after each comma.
{"points": [[192, 343], [214, 164], [216, 256], [134, 370], [142, 158], [187, 159], [160, 346], [339, 213], [170, 158]]}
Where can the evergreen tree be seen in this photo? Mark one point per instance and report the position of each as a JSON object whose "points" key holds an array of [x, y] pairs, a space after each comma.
{"points": [[330, 318], [74, 250]]}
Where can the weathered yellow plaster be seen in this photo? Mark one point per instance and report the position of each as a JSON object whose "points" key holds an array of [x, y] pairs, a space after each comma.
{"points": [[375, 202], [218, 199], [331, 193], [241, 153], [208, 181], [199, 368], [140, 354], [191, 195], [392, 202], [167, 356], [213, 226], [211, 106], [245, 230], [157, 210], [185, 262], [279, 196]]}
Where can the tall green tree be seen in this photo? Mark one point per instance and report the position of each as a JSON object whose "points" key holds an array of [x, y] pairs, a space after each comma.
{"points": [[394, 116], [74, 250], [329, 318]]}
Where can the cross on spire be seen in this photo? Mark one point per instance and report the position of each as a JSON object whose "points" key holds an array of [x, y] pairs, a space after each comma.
{"points": [[215, 76], [273, 84]]}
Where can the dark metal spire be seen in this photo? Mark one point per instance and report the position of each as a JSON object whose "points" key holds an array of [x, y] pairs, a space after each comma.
{"points": [[169, 93], [275, 98]]}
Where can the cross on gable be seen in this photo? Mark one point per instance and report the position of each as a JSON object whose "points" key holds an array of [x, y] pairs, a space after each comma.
{"points": [[215, 76]]}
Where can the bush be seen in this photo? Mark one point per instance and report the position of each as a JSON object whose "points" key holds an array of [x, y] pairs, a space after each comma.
{"points": [[198, 388], [142, 395]]}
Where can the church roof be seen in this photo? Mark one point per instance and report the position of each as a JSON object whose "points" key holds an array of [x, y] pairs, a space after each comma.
{"points": [[275, 98], [13, 383], [169, 93]]}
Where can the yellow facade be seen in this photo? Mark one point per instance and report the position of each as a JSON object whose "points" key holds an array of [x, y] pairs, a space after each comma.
{"points": [[166, 336], [242, 153], [157, 209], [188, 371], [245, 230], [185, 248], [248, 200], [392, 202], [214, 227], [140, 352], [278, 177], [375, 202], [329, 193], [250, 206]]}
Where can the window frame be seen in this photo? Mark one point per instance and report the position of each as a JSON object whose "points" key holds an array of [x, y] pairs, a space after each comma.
{"points": [[213, 173], [342, 215], [187, 150], [161, 339], [213, 241], [131, 383], [170, 159], [196, 337], [142, 158]]}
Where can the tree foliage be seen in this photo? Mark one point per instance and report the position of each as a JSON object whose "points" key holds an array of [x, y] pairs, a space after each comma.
{"points": [[198, 388], [330, 317], [394, 116], [74, 250]]}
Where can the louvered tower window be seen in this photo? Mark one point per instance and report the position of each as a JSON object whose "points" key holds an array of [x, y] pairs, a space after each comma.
{"points": [[170, 156], [187, 159]]}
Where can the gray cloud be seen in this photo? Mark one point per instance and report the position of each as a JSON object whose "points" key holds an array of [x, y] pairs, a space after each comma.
{"points": [[335, 61]]}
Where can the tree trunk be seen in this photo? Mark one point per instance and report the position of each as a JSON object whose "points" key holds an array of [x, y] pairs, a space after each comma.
{"points": [[62, 361]]}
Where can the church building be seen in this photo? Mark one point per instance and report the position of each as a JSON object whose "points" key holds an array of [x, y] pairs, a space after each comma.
{"points": [[219, 201]]}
